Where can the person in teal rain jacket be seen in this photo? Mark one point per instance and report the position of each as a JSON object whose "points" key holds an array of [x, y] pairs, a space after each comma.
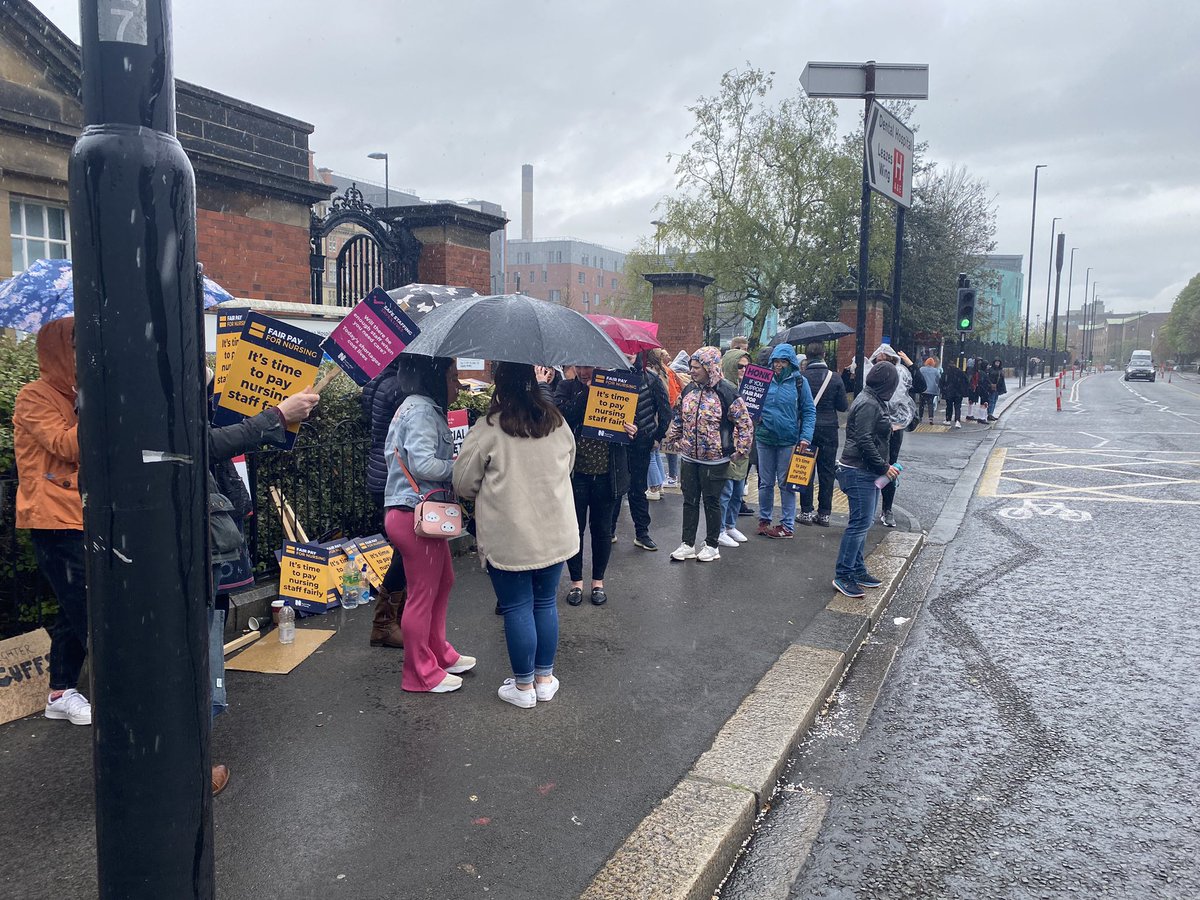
{"points": [[787, 420]]}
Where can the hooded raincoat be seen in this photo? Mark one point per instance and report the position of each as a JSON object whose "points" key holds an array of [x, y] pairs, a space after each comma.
{"points": [[701, 431], [788, 412], [46, 436], [901, 408], [729, 366]]}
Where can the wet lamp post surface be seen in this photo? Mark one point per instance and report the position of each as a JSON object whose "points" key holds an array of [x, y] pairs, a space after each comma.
{"points": [[144, 459]]}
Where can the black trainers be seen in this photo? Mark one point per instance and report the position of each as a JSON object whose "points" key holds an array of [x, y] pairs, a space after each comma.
{"points": [[888, 519], [867, 580], [645, 542], [823, 519], [745, 511]]}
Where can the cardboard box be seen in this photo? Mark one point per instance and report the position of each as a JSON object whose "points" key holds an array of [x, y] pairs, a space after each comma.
{"points": [[24, 675]]}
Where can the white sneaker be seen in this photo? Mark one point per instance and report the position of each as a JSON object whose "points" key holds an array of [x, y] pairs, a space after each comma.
{"points": [[510, 693], [72, 706], [958, 424], [464, 664], [446, 685], [653, 495], [684, 551], [708, 554], [546, 691], [736, 535], [671, 482], [726, 540]]}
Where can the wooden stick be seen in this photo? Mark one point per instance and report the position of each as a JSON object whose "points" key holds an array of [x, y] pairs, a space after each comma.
{"points": [[328, 377], [283, 510], [244, 641], [296, 526]]}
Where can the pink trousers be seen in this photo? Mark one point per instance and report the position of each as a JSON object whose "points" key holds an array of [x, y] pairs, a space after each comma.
{"points": [[430, 574]]}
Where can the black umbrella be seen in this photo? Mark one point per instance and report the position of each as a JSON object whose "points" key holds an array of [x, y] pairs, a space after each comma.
{"points": [[516, 328], [807, 332], [420, 299]]}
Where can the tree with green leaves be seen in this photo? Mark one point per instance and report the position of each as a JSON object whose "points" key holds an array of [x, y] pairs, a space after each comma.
{"points": [[1183, 324], [765, 197]]}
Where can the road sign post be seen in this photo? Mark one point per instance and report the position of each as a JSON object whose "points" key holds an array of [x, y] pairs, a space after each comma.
{"points": [[887, 159]]}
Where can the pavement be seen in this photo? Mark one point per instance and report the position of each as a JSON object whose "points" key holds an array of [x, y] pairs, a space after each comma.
{"points": [[685, 694], [1023, 723]]}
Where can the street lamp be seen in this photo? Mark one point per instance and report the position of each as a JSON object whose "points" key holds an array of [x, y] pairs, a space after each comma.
{"points": [[658, 226], [1049, 275], [1067, 323], [1029, 280], [387, 194]]}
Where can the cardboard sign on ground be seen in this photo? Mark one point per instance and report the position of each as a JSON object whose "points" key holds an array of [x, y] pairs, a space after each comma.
{"points": [[273, 360], [371, 336], [376, 552], [803, 464], [24, 674], [611, 404], [306, 578], [273, 658]]}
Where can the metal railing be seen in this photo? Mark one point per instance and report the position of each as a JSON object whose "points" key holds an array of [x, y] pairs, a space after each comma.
{"points": [[26, 601], [324, 482]]}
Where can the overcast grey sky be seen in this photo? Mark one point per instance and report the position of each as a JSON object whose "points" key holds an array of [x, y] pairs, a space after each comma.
{"points": [[460, 93]]}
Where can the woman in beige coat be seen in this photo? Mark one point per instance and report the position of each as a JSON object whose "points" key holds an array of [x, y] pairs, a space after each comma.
{"points": [[516, 465]]}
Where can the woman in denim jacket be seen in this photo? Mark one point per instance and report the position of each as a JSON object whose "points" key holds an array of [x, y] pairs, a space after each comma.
{"points": [[420, 438]]}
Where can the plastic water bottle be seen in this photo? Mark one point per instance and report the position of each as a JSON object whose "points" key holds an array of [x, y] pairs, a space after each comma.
{"points": [[351, 582], [287, 625], [882, 481]]}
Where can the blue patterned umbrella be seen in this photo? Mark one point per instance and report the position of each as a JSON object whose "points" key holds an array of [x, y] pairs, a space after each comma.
{"points": [[44, 292]]}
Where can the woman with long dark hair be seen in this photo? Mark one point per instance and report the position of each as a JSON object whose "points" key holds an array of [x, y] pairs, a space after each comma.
{"points": [[420, 450], [516, 465]]}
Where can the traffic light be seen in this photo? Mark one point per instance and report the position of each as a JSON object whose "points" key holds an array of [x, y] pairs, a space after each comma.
{"points": [[966, 309]]}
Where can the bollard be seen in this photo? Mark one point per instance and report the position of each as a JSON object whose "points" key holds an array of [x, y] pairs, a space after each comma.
{"points": [[1058, 392]]}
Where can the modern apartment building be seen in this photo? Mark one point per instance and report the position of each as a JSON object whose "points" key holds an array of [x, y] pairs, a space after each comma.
{"points": [[1001, 287]]}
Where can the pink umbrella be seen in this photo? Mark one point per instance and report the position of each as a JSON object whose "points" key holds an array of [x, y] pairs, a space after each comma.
{"points": [[630, 335]]}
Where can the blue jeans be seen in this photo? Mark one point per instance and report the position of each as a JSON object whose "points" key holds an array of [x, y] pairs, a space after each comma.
{"points": [[672, 465], [731, 502], [860, 490], [773, 463], [654, 477], [528, 601]]}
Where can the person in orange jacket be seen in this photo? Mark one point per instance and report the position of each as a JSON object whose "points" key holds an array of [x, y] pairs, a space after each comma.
{"points": [[46, 443]]}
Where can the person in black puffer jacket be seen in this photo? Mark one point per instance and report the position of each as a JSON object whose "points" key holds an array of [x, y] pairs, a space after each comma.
{"points": [[828, 386], [652, 418], [380, 399], [864, 458]]}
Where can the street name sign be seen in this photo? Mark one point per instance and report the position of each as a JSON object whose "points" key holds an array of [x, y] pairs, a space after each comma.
{"points": [[889, 149], [893, 81]]}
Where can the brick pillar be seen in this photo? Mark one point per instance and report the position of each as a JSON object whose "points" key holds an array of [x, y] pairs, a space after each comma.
{"points": [[678, 307], [455, 244], [877, 311]]}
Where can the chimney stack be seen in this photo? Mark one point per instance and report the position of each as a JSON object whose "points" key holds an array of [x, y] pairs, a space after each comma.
{"points": [[527, 202]]}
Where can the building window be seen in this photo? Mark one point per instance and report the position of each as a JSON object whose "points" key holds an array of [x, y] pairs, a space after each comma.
{"points": [[558, 256], [38, 232], [555, 296], [599, 280], [532, 276], [614, 284], [545, 276], [585, 260], [582, 278]]}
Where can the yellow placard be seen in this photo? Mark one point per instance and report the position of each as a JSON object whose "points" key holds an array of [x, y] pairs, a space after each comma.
{"points": [[229, 331], [272, 361], [306, 578], [608, 411], [803, 464], [377, 553]]}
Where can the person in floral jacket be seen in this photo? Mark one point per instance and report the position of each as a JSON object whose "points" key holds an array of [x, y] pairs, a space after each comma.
{"points": [[711, 429]]}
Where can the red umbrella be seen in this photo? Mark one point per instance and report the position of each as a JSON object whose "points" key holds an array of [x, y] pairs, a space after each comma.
{"points": [[630, 335]]}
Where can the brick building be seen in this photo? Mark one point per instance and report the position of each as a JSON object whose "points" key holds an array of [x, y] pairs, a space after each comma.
{"points": [[253, 186], [578, 274]]}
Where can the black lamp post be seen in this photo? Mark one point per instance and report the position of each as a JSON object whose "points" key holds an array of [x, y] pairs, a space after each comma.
{"points": [[1029, 280], [143, 439]]}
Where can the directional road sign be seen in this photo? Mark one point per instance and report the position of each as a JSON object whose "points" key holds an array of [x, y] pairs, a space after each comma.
{"points": [[893, 81], [889, 155]]}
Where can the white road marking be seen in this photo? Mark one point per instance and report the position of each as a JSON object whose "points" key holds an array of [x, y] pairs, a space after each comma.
{"points": [[1028, 509]]}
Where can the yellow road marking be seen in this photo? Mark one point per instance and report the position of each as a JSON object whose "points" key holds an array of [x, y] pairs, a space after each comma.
{"points": [[990, 481]]}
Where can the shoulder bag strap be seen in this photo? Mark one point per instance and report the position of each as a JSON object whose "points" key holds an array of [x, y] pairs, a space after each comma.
{"points": [[416, 490], [824, 384]]}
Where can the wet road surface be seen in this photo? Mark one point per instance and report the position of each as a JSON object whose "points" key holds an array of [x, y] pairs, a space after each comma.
{"points": [[1039, 733]]}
